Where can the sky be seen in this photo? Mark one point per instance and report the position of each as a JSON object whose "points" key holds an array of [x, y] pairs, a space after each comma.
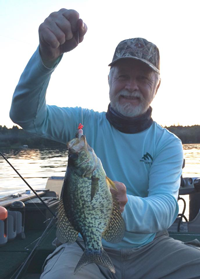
{"points": [[81, 79]]}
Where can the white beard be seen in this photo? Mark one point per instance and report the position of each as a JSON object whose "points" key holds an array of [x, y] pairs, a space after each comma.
{"points": [[128, 109]]}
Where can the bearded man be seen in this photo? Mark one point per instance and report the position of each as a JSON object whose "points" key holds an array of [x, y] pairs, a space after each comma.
{"points": [[142, 158]]}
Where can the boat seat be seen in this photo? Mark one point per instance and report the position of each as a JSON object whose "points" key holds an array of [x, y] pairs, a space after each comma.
{"points": [[189, 185]]}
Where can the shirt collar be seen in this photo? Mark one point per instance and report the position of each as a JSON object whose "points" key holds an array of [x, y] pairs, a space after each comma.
{"points": [[129, 125]]}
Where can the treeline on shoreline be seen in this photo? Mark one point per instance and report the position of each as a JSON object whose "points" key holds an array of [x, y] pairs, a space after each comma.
{"points": [[18, 138], [15, 137]]}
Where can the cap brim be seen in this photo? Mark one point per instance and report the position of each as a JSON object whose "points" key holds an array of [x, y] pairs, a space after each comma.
{"points": [[136, 58]]}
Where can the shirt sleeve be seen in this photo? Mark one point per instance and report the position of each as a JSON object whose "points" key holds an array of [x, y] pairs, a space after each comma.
{"points": [[159, 209], [28, 103], [29, 108]]}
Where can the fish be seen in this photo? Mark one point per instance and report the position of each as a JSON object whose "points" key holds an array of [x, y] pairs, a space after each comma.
{"points": [[87, 206]]}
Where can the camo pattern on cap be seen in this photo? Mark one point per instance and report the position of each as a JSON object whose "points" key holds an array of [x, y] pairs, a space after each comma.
{"points": [[138, 48]]}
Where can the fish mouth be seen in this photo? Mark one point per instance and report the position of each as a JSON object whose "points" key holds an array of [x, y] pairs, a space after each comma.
{"points": [[76, 145]]}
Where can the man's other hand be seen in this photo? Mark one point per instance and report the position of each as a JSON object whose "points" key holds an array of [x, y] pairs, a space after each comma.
{"points": [[120, 194]]}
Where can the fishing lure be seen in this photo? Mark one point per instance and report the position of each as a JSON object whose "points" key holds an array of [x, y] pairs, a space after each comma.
{"points": [[80, 130]]}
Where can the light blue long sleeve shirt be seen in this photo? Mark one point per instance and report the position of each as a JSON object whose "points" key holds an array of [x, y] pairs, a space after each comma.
{"points": [[149, 163]]}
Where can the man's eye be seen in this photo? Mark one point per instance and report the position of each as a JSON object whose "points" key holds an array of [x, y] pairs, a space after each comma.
{"points": [[123, 77], [142, 78]]}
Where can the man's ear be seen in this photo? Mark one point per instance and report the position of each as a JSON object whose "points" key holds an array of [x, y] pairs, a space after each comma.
{"points": [[157, 86], [110, 74]]}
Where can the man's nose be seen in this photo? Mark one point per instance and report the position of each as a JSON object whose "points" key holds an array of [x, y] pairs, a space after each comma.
{"points": [[132, 85]]}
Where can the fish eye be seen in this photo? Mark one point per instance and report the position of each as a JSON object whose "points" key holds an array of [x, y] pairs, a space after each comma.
{"points": [[73, 156]]}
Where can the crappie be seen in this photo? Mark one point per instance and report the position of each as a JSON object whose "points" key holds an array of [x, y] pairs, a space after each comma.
{"points": [[87, 206]]}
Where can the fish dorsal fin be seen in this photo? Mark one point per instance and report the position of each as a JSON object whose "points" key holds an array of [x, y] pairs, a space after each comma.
{"points": [[110, 183], [94, 186], [116, 226]]}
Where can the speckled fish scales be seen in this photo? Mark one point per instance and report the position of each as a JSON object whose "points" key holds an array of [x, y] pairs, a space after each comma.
{"points": [[87, 206]]}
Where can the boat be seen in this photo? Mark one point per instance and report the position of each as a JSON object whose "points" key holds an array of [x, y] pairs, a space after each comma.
{"points": [[28, 229]]}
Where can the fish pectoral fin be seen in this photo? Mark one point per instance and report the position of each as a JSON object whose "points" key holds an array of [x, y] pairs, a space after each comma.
{"points": [[115, 230], [99, 258], [111, 183], [65, 231], [94, 186]]}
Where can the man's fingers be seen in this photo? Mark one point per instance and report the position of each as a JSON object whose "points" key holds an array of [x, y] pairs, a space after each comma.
{"points": [[120, 194], [72, 16], [65, 33], [82, 27], [80, 31], [57, 24], [47, 37]]}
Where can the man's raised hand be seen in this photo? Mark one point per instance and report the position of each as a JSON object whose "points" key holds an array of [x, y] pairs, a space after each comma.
{"points": [[61, 32]]}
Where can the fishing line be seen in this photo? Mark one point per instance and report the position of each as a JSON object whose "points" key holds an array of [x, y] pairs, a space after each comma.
{"points": [[28, 185], [19, 272], [82, 116]]}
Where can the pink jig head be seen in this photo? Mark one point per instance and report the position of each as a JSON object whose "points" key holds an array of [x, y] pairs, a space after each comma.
{"points": [[80, 131]]}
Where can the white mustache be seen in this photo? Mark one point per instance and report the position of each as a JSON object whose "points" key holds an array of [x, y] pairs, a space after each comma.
{"points": [[135, 94]]}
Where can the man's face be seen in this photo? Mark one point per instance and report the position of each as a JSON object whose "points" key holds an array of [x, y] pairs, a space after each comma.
{"points": [[133, 85]]}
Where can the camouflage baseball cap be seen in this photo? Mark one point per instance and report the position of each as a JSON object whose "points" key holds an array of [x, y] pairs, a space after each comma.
{"points": [[138, 48]]}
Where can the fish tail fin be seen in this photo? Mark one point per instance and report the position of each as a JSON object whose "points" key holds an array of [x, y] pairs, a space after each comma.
{"points": [[99, 258]]}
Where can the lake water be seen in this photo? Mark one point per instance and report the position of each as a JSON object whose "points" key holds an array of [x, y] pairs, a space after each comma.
{"points": [[36, 166]]}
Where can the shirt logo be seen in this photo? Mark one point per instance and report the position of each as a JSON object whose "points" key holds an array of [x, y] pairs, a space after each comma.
{"points": [[147, 159]]}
